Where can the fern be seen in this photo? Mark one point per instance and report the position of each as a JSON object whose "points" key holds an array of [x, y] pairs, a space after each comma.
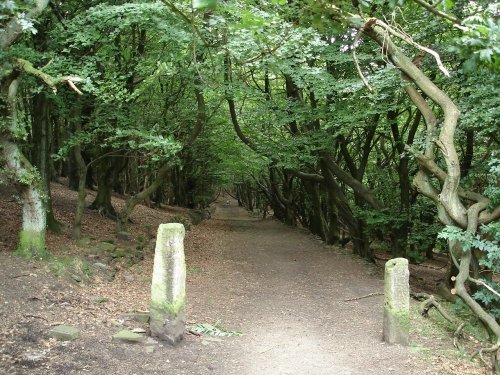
{"points": [[214, 330]]}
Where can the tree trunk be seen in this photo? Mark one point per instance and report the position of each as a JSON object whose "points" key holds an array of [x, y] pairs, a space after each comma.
{"points": [[82, 173], [356, 230], [24, 178], [451, 208], [133, 201], [105, 178], [72, 172], [399, 233], [28, 186], [317, 222], [332, 226], [102, 201], [41, 131]]}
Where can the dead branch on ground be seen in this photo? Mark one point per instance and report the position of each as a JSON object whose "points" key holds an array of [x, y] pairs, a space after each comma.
{"points": [[365, 296]]}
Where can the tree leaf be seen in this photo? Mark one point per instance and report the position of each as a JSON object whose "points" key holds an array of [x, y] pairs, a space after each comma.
{"points": [[204, 4]]}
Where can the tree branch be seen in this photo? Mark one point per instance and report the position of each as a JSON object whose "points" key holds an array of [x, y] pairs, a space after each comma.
{"points": [[356, 61], [449, 192], [307, 176], [13, 30], [52, 82], [408, 40], [482, 283], [437, 12]]}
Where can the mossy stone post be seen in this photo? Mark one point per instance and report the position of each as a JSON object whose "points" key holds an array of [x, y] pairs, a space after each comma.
{"points": [[168, 288], [397, 302]]}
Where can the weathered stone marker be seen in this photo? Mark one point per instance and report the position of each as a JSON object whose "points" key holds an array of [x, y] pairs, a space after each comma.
{"points": [[168, 287], [397, 302]]}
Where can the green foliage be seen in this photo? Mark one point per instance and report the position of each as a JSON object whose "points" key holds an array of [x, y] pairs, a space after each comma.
{"points": [[214, 330], [159, 147], [382, 220], [479, 43], [480, 101], [424, 229], [10, 9], [489, 299], [181, 220], [488, 244], [468, 240], [492, 190], [76, 139], [204, 4]]}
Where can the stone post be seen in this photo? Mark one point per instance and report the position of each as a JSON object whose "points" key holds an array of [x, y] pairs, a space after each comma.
{"points": [[397, 302], [168, 287]]}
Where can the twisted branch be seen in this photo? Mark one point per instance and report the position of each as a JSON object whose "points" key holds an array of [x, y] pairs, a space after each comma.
{"points": [[52, 82]]}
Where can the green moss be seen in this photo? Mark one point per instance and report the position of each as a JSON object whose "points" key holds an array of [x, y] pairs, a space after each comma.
{"points": [[31, 244], [159, 309], [402, 317], [69, 264], [56, 266]]}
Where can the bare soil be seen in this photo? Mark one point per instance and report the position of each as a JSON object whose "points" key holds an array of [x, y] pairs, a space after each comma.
{"points": [[292, 298]]}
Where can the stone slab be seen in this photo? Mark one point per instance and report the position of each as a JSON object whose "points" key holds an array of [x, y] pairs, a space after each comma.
{"points": [[128, 336], [64, 333]]}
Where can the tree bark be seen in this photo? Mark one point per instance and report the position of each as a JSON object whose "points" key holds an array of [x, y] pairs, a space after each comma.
{"points": [[41, 131], [82, 168], [32, 238], [317, 222], [451, 209], [105, 178], [24, 178]]}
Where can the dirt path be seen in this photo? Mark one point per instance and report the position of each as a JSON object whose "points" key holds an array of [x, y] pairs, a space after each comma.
{"points": [[279, 286], [285, 292]]}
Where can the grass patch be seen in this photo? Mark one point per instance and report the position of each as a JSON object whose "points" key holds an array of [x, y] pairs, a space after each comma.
{"points": [[69, 265], [432, 336]]}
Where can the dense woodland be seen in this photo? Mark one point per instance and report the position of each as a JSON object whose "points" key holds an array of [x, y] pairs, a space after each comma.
{"points": [[371, 123]]}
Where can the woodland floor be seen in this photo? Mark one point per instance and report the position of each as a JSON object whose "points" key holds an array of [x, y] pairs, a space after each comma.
{"points": [[284, 290]]}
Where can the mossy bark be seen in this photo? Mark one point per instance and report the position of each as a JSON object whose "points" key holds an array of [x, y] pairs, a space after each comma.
{"points": [[32, 244], [24, 178]]}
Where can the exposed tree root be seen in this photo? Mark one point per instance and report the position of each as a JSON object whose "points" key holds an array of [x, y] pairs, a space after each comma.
{"points": [[428, 302], [457, 335], [492, 349]]}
